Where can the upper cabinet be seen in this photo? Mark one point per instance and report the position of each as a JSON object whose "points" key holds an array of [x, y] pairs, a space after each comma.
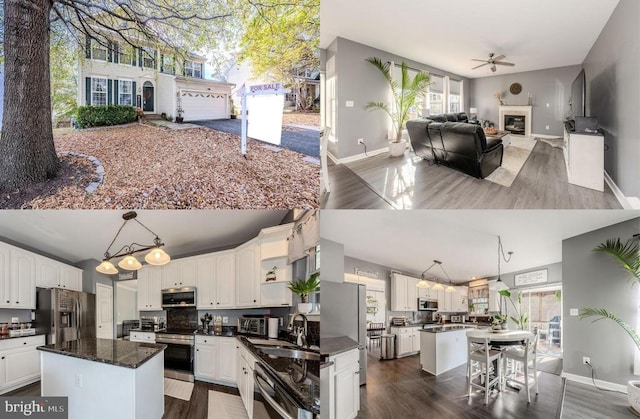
{"points": [[247, 270], [404, 293], [216, 280], [149, 288], [180, 273], [53, 274]]}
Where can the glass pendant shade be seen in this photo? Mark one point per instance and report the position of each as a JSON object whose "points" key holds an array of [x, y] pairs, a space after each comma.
{"points": [[450, 289], [106, 268], [422, 284], [130, 263], [438, 287], [157, 257]]}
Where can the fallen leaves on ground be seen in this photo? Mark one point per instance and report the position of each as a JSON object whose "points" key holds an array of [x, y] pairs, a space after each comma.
{"points": [[153, 168], [311, 119]]}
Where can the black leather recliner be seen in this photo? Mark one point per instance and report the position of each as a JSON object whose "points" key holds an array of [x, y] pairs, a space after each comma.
{"points": [[459, 145]]}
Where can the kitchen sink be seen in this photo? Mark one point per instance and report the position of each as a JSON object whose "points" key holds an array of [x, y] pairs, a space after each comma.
{"points": [[289, 352]]}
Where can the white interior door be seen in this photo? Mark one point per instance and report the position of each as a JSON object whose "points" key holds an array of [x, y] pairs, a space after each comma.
{"points": [[104, 311]]}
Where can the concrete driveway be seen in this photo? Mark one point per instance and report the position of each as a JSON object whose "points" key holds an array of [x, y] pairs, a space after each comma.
{"points": [[305, 140]]}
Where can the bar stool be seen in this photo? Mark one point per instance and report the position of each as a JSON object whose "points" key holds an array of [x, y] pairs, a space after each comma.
{"points": [[522, 356], [480, 359]]}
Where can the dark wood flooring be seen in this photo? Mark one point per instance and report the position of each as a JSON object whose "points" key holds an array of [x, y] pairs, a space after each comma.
{"points": [[195, 408], [413, 183], [400, 389]]}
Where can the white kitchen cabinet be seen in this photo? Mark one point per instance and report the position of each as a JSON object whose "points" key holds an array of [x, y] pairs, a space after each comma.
{"points": [[70, 278], [584, 158], [23, 279], [180, 273], [148, 337], [444, 301], [5, 275], [47, 273], [407, 340], [205, 283], [345, 380], [149, 288], [244, 377], [19, 362], [247, 270], [428, 293], [225, 279], [415, 339], [404, 293], [227, 359], [206, 363]]}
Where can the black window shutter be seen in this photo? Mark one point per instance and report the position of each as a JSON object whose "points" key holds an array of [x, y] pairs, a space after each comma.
{"points": [[133, 94], [116, 97], [140, 57], [116, 50], [155, 59], [87, 47], [109, 91], [173, 70], [109, 51], [162, 63], [88, 90], [184, 68]]}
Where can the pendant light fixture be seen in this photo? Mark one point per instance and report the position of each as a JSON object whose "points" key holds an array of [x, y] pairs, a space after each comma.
{"points": [[438, 286], [499, 285], [156, 255]]}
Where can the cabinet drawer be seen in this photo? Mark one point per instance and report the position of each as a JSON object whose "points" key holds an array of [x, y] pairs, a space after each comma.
{"points": [[346, 359], [21, 342], [402, 330], [205, 340], [142, 337]]}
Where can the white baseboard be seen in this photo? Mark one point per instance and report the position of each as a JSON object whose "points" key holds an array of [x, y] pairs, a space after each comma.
{"points": [[627, 202], [357, 156], [587, 380], [550, 137]]}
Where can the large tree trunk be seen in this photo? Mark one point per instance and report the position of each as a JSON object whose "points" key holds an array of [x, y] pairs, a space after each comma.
{"points": [[27, 152]]}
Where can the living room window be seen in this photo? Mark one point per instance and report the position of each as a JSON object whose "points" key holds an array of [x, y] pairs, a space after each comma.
{"points": [[98, 91], [435, 103], [455, 95], [125, 92]]}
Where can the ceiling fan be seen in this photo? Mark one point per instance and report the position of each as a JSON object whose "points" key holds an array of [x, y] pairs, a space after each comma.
{"points": [[493, 61]]}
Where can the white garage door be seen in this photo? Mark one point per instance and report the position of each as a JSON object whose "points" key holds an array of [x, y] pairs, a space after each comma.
{"points": [[199, 106]]}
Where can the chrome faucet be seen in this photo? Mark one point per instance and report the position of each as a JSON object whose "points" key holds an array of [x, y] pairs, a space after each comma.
{"points": [[301, 333]]}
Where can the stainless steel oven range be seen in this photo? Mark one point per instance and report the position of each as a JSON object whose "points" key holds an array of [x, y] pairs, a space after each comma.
{"points": [[178, 357], [278, 403]]}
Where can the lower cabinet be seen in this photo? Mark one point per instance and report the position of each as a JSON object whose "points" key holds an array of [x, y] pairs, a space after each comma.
{"points": [[148, 337], [407, 340], [19, 362], [340, 385], [245, 366], [215, 359]]}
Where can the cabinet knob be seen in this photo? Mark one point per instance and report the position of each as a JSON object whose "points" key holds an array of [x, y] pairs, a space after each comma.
{"points": [[24, 343], [17, 302], [218, 303], [3, 357], [8, 301], [254, 301], [357, 372], [197, 350], [100, 326]]}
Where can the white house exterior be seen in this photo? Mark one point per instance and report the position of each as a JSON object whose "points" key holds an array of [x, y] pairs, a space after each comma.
{"points": [[145, 77]]}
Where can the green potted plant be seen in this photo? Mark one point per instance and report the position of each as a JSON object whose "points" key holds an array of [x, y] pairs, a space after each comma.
{"points": [[271, 275], [520, 319], [499, 322], [405, 92], [628, 256], [304, 287]]}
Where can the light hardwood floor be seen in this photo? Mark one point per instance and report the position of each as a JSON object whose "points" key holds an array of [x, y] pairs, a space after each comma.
{"points": [[413, 183]]}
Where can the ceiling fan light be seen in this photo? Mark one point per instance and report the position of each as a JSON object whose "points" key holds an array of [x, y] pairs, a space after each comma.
{"points": [[422, 284], [106, 268], [157, 257], [130, 263]]}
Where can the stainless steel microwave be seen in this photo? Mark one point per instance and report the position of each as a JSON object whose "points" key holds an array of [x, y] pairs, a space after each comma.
{"points": [[427, 304], [252, 326], [179, 297]]}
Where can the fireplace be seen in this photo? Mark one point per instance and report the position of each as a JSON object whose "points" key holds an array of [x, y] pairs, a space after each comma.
{"points": [[515, 124]]}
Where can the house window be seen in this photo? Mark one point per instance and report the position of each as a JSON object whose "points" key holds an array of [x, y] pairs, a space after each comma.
{"points": [[126, 54], [98, 91], [98, 51], [168, 65], [455, 93], [436, 95], [148, 58], [125, 92], [192, 69]]}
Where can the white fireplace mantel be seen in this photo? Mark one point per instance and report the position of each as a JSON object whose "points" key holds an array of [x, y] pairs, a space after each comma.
{"points": [[516, 110]]}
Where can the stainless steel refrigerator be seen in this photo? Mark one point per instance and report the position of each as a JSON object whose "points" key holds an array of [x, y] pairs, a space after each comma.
{"points": [[344, 313], [65, 315]]}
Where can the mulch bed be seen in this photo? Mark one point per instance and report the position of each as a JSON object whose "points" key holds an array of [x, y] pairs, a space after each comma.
{"points": [[76, 173], [302, 118], [154, 168]]}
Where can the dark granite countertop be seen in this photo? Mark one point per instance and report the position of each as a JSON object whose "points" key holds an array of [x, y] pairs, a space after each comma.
{"points": [[441, 329], [120, 353], [307, 392], [6, 337], [337, 345]]}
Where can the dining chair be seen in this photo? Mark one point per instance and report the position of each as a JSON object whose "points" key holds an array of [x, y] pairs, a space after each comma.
{"points": [[480, 359], [375, 333], [522, 356]]}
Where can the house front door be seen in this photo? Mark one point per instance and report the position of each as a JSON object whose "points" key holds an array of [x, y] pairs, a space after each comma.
{"points": [[147, 97]]}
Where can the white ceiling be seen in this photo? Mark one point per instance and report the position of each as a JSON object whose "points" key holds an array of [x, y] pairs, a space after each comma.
{"points": [[533, 34], [464, 240], [80, 235]]}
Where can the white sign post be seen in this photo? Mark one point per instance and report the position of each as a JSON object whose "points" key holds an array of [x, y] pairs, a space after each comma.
{"points": [[266, 112]]}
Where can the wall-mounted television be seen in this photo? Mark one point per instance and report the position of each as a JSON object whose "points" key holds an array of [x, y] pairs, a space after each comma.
{"points": [[578, 102]]}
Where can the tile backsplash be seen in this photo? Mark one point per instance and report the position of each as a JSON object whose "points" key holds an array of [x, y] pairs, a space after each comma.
{"points": [[6, 314]]}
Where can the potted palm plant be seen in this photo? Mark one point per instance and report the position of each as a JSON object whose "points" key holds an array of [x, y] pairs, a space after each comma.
{"points": [[628, 256], [521, 319], [304, 287], [405, 92]]}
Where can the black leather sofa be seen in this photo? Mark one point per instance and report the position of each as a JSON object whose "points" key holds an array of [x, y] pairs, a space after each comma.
{"points": [[453, 117], [459, 145]]}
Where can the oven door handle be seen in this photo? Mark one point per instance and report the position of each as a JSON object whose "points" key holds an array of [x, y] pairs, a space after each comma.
{"points": [[173, 342], [265, 393]]}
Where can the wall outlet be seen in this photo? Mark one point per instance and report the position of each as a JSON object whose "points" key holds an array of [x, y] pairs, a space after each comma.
{"points": [[547, 127], [573, 312], [360, 140], [225, 320], [586, 360], [349, 103], [547, 105], [15, 320]]}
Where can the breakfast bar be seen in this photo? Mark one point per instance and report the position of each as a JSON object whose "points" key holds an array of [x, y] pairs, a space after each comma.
{"points": [[105, 378]]}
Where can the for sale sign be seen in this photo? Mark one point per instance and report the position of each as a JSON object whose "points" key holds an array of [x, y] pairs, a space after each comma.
{"points": [[268, 88]]}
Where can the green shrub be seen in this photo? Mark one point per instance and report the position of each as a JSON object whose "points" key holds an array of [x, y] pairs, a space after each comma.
{"points": [[97, 116]]}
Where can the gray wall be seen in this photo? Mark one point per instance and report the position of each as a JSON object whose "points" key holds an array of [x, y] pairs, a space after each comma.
{"points": [[90, 276], [360, 82], [613, 87], [331, 262], [550, 86], [592, 279]]}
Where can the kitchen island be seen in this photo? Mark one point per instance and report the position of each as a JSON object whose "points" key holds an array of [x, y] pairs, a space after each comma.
{"points": [[105, 378], [443, 348]]}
